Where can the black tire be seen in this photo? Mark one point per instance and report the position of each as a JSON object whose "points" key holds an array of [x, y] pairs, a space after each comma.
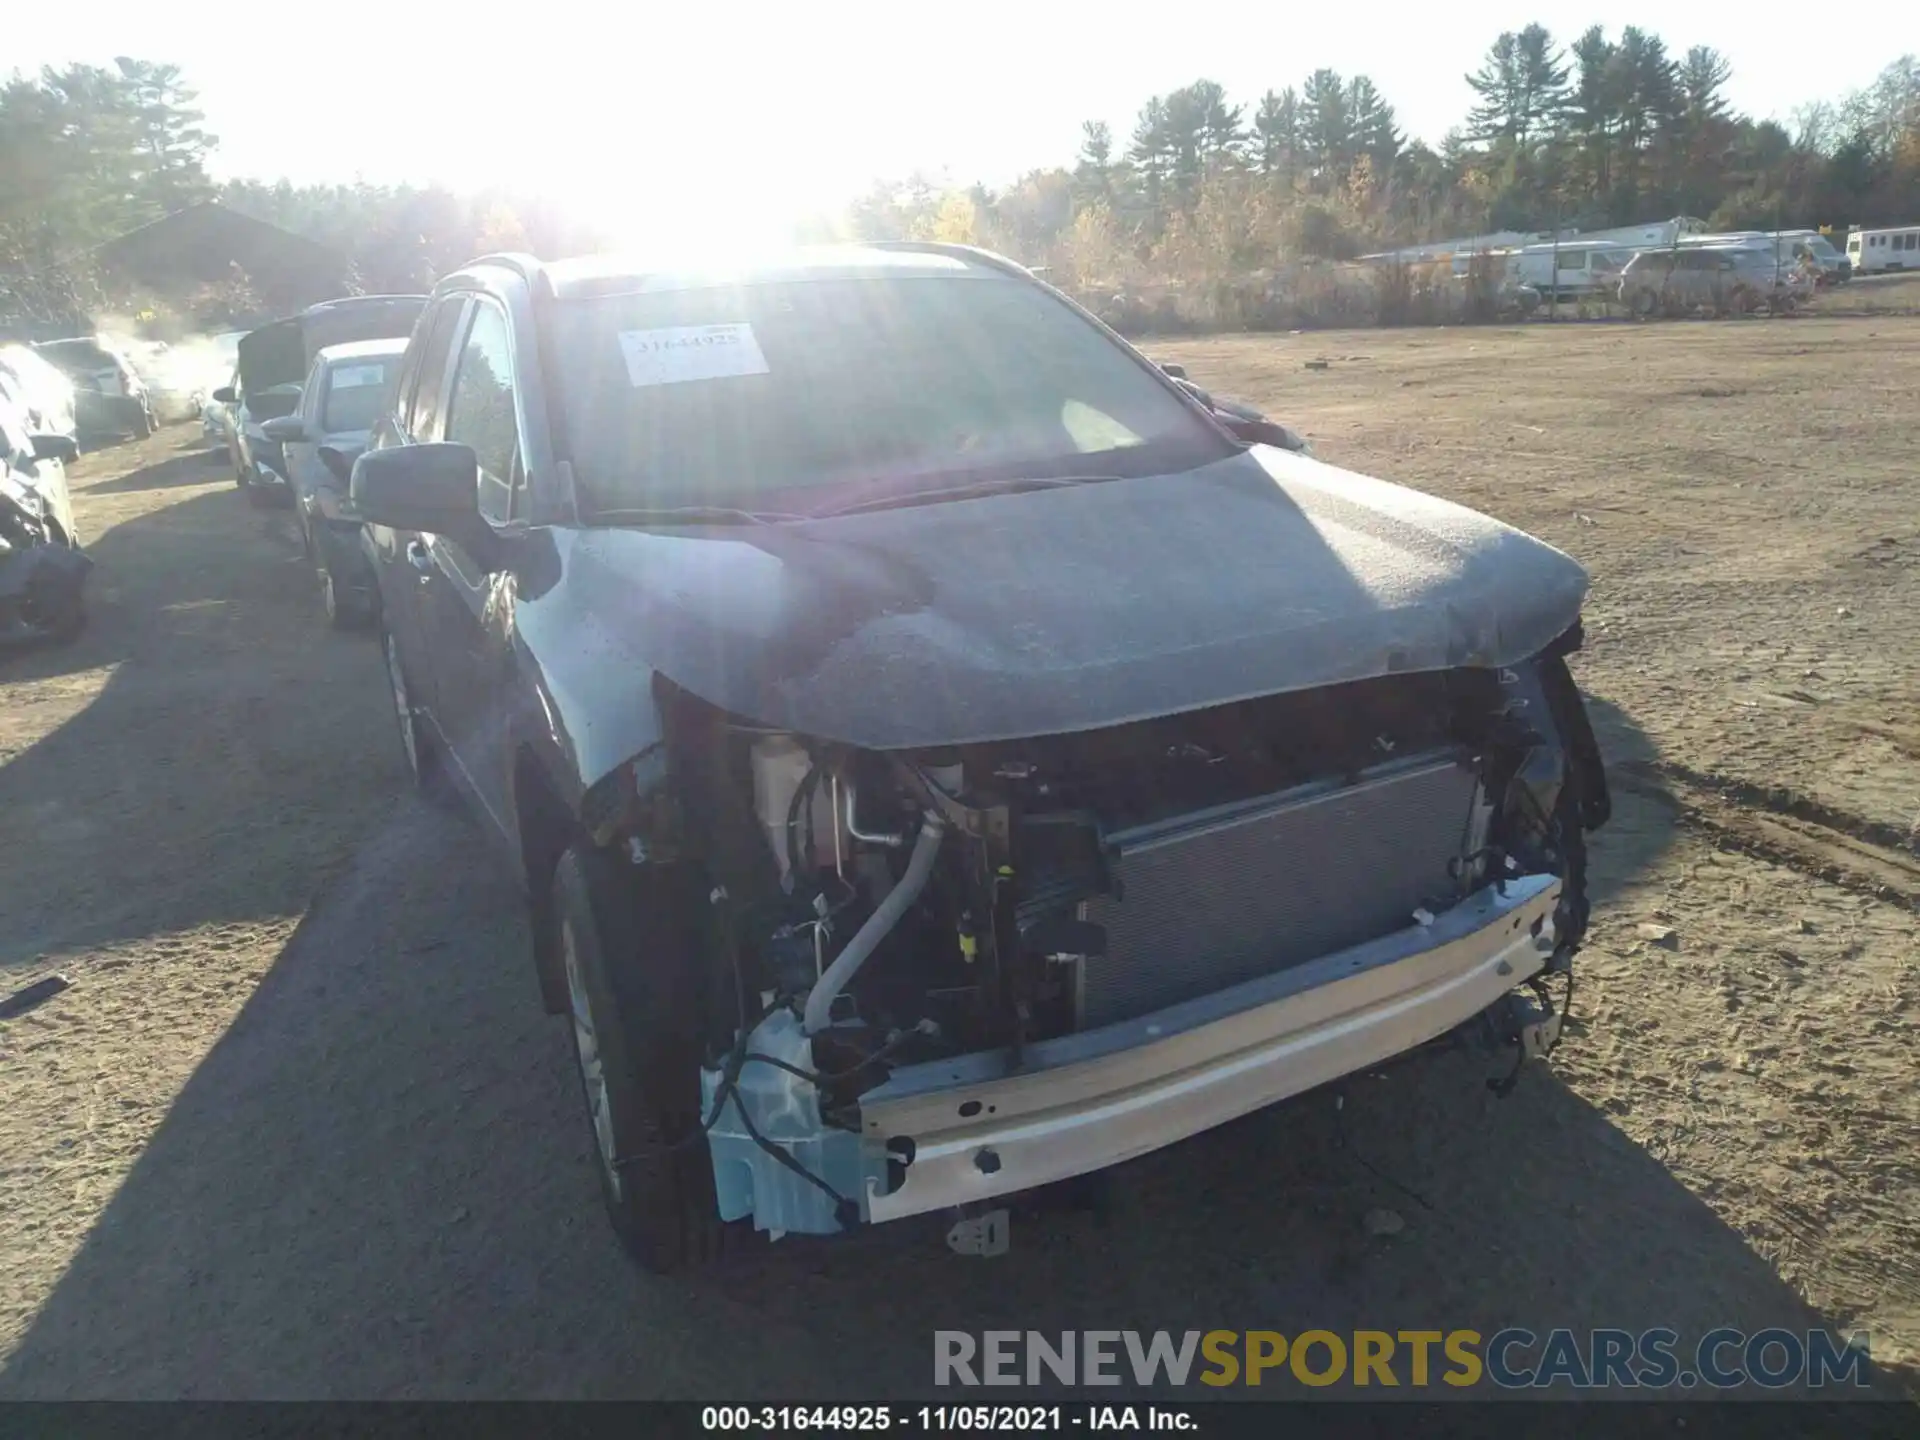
{"points": [[257, 495], [425, 766], [629, 945], [143, 425], [59, 610]]}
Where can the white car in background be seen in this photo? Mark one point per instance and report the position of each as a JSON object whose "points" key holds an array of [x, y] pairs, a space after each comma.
{"points": [[45, 394]]}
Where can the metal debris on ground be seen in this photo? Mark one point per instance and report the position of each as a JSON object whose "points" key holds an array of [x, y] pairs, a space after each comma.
{"points": [[23, 1000]]}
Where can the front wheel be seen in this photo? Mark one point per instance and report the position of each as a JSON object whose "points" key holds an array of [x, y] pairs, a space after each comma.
{"points": [[627, 941], [424, 766]]}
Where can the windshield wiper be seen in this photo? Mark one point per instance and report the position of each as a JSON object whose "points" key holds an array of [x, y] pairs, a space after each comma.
{"points": [[972, 490], [693, 515]]}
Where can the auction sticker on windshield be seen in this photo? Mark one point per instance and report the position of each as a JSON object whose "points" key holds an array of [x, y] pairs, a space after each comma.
{"points": [[691, 352], [354, 377]]}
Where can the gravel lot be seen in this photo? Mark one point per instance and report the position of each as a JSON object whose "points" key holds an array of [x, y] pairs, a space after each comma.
{"points": [[300, 1128]]}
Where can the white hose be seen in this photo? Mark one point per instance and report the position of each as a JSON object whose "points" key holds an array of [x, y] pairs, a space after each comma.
{"points": [[885, 916]]}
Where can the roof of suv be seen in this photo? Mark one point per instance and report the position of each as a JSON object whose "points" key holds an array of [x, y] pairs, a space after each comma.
{"points": [[361, 350], [628, 274]]}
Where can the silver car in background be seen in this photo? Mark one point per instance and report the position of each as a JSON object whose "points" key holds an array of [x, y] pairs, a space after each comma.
{"points": [[339, 402]]}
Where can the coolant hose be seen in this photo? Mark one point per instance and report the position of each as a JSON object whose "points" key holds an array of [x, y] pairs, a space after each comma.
{"points": [[885, 916]]}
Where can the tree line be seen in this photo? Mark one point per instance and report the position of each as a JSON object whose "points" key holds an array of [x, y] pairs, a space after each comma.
{"points": [[1609, 129], [89, 153], [1603, 129]]}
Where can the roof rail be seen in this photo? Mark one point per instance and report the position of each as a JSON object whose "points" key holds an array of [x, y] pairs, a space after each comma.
{"points": [[957, 252], [527, 267]]}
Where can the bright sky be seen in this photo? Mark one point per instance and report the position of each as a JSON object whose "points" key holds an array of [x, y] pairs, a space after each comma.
{"points": [[721, 113]]}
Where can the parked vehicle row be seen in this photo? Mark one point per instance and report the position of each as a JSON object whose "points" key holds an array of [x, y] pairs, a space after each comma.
{"points": [[43, 571], [1767, 270], [943, 752], [1723, 279], [271, 368]]}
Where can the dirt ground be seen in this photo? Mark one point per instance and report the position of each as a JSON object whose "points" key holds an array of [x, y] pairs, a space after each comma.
{"points": [[299, 1127]]}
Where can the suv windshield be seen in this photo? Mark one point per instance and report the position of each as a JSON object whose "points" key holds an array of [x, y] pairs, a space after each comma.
{"points": [[720, 395], [354, 392]]}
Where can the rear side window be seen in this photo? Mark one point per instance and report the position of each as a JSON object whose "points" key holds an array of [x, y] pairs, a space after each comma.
{"points": [[480, 411]]}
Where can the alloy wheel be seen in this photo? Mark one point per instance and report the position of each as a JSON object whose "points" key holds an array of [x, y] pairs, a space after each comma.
{"points": [[593, 1071]]}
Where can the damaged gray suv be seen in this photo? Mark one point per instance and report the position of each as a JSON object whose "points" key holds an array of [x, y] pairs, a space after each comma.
{"points": [[944, 752]]}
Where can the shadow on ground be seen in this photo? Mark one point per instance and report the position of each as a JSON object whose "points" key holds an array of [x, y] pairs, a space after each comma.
{"points": [[378, 1183], [194, 465], [220, 734]]}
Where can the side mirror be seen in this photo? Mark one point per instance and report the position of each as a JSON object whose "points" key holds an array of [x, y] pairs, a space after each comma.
{"points": [[339, 465], [1176, 372], [1258, 430], [56, 447], [435, 488], [284, 429], [225, 395]]}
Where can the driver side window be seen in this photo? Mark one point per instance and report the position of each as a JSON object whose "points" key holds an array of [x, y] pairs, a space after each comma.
{"points": [[481, 411]]}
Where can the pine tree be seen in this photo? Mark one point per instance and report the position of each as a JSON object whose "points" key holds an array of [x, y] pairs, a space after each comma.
{"points": [[1326, 127], [1276, 128]]}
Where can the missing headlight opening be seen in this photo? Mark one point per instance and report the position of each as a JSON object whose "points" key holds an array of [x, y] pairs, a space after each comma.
{"points": [[1075, 948]]}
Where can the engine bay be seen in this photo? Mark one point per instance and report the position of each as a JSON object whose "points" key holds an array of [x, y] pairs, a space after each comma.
{"points": [[874, 910]]}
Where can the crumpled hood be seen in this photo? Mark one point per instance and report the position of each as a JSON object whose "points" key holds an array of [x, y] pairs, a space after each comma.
{"points": [[1054, 610]]}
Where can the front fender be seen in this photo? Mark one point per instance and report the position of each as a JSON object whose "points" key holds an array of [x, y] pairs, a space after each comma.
{"points": [[589, 705]]}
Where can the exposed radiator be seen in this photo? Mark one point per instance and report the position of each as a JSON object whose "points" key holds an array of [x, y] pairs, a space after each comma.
{"points": [[1215, 898]]}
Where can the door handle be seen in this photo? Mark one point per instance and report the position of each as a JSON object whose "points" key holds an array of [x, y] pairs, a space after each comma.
{"points": [[421, 561]]}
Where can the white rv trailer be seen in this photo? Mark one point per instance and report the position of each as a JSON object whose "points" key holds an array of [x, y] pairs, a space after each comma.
{"points": [[1570, 270], [1888, 248]]}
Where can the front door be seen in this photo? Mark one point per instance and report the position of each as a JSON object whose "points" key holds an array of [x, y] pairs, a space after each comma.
{"points": [[403, 562], [471, 602]]}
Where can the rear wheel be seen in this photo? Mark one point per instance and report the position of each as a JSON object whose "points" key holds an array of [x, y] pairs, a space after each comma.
{"points": [[628, 945]]}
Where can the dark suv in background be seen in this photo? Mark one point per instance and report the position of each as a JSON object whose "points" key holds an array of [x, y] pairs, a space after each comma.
{"points": [[271, 370], [944, 752]]}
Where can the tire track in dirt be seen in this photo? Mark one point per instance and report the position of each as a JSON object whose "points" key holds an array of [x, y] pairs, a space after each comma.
{"points": [[1773, 823]]}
